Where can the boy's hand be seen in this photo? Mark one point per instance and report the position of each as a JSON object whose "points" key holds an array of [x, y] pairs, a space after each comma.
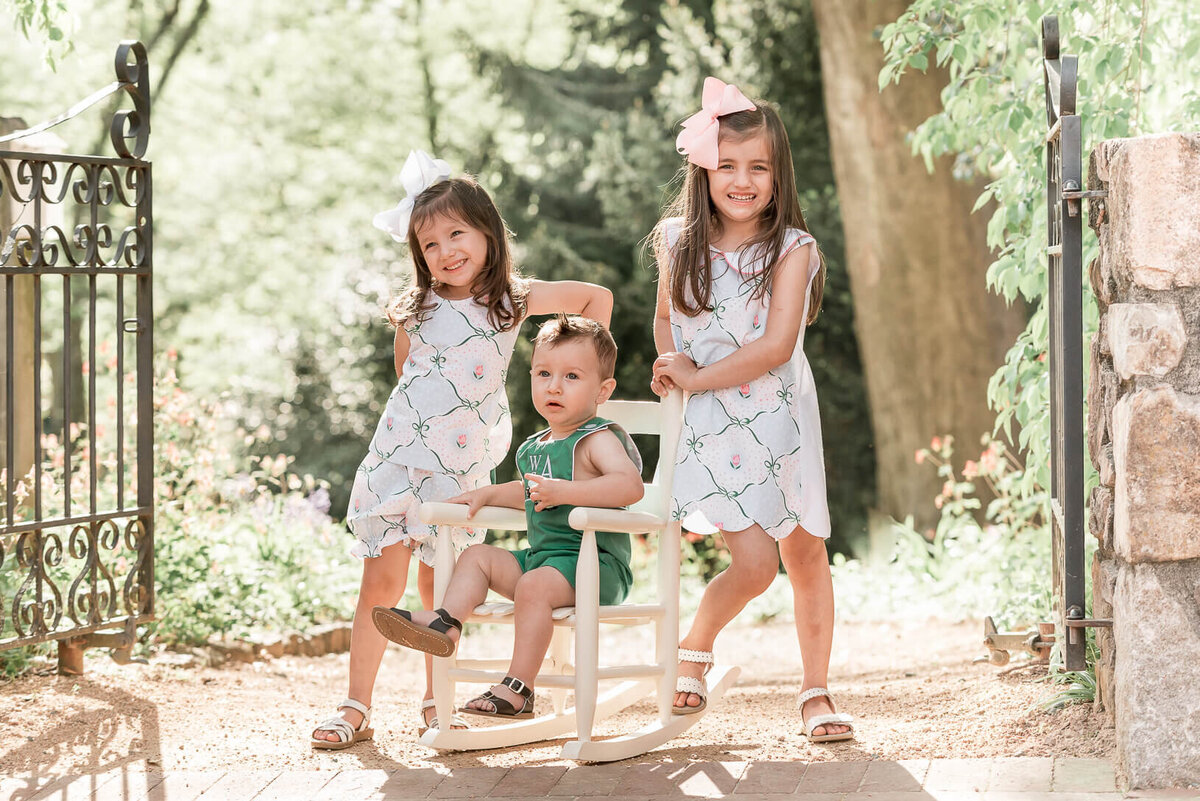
{"points": [[546, 492], [674, 370], [475, 499]]}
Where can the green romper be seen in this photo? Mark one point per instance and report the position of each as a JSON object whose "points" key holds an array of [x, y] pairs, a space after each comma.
{"points": [[552, 541]]}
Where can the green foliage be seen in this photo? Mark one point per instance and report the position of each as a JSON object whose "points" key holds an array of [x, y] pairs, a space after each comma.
{"points": [[241, 545], [963, 568], [1073, 686], [47, 22], [991, 121]]}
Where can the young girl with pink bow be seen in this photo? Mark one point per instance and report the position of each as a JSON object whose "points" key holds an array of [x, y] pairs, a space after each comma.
{"points": [[739, 278], [446, 424]]}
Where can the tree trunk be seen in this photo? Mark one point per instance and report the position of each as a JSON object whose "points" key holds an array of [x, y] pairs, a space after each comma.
{"points": [[930, 333]]}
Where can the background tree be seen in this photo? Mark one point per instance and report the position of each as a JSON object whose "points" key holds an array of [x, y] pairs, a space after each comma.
{"points": [[931, 335]]}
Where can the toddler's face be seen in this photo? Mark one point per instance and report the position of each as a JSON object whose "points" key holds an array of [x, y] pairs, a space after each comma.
{"points": [[566, 383], [740, 186], [455, 252]]}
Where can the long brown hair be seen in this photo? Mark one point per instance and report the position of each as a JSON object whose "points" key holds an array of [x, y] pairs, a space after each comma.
{"points": [[498, 285], [689, 260]]}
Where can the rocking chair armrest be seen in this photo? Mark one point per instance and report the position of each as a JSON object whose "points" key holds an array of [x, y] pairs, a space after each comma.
{"points": [[590, 518], [455, 514]]}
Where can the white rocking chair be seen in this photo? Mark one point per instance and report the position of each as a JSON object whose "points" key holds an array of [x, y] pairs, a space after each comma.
{"points": [[583, 673]]}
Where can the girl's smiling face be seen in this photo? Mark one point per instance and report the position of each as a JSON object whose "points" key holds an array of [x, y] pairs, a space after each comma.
{"points": [[741, 185], [455, 252]]}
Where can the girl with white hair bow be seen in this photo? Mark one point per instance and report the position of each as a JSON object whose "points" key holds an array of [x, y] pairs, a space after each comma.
{"points": [[446, 423]]}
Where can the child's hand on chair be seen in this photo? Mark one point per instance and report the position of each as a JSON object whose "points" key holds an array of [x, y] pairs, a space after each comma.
{"points": [[475, 499]]}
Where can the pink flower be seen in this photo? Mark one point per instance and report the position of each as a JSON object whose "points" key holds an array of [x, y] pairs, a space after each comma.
{"points": [[388, 423], [736, 461], [919, 456], [970, 469], [756, 321], [479, 371], [462, 440], [744, 390], [989, 460], [936, 443]]}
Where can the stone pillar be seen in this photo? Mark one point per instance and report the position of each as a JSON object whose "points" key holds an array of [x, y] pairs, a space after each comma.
{"points": [[1144, 439]]}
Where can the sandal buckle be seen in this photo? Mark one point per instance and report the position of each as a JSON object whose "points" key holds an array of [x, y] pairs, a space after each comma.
{"points": [[516, 685]]}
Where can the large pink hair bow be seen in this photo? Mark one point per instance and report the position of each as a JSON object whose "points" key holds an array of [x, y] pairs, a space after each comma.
{"points": [[698, 139]]}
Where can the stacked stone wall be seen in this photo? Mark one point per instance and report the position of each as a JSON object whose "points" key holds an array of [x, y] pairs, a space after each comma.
{"points": [[1144, 439]]}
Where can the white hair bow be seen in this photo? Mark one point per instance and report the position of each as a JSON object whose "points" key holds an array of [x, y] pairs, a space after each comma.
{"points": [[420, 171]]}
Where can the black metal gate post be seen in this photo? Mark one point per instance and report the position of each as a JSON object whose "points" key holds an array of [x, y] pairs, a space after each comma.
{"points": [[76, 545], [1064, 193]]}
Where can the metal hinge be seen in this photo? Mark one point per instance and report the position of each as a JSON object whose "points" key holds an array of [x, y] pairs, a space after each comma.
{"points": [[1072, 193], [1076, 621]]}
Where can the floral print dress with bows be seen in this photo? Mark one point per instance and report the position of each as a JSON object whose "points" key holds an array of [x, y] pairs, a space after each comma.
{"points": [[751, 453], [445, 427]]}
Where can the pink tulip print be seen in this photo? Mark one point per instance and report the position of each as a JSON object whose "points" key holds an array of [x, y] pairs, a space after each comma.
{"points": [[388, 423], [462, 440], [736, 461], [756, 323], [478, 371], [744, 390]]}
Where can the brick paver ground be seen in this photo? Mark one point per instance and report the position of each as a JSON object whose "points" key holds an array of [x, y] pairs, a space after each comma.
{"points": [[1008, 779]]}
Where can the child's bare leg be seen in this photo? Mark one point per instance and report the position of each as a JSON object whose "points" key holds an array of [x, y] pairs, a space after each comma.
{"points": [[752, 567], [807, 565], [538, 593], [382, 584], [481, 567]]}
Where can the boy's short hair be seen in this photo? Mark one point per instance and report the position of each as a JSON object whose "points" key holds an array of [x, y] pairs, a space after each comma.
{"points": [[569, 328]]}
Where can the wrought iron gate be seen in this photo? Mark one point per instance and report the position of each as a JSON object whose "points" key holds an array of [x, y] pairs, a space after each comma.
{"points": [[1064, 196], [77, 534]]}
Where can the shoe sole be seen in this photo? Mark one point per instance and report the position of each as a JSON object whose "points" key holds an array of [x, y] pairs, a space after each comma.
{"points": [[485, 714], [411, 635], [689, 710], [333, 745]]}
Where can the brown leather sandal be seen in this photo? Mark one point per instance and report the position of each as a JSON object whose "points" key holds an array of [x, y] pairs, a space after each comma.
{"points": [[502, 707], [398, 626]]}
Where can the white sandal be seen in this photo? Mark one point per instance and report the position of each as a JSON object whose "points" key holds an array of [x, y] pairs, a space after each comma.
{"points": [[347, 735], [687, 684], [838, 718], [456, 722]]}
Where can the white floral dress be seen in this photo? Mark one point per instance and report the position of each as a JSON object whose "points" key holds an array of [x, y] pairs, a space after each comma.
{"points": [[751, 453], [446, 425]]}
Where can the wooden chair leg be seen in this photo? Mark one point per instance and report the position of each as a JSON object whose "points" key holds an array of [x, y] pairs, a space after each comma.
{"points": [[443, 685], [560, 658], [587, 634], [667, 629]]}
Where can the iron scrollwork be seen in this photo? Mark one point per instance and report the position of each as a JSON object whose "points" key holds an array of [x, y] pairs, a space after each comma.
{"points": [[76, 543]]}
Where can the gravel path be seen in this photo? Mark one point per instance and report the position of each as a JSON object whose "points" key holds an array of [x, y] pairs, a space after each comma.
{"points": [[912, 687]]}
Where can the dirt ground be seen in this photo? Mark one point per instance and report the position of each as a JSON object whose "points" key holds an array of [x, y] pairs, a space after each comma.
{"points": [[911, 686]]}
